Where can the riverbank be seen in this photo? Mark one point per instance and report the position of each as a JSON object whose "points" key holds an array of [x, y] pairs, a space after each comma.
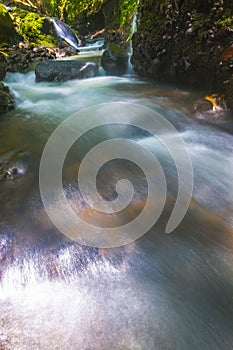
{"points": [[189, 44]]}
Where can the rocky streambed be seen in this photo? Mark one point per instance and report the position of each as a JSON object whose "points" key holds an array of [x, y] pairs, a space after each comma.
{"points": [[19, 58], [188, 44]]}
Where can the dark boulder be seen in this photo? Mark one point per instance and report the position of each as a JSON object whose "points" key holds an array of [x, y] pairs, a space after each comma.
{"points": [[3, 66], [8, 33], [114, 61], [65, 70], [6, 99]]}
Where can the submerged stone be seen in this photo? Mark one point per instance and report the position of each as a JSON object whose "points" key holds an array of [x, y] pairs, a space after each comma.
{"points": [[65, 70], [13, 164]]}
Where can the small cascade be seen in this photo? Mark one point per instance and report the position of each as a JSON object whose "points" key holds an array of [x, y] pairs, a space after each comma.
{"points": [[130, 70], [68, 36], [133, 27], [95, 45], [65, 33]]}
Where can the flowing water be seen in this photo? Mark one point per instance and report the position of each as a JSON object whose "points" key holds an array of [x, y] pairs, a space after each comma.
{"points": [[160, 292]]}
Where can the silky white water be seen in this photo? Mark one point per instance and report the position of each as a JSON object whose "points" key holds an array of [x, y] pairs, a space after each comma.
{"points": [[162, 291]]}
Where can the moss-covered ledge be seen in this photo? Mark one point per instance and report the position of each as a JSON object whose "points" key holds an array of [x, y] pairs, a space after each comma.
{"points": [[187, 43]]}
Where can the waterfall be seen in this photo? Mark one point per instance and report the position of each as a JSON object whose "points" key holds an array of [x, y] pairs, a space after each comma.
{"points": [[133, 30], [65, 33]]}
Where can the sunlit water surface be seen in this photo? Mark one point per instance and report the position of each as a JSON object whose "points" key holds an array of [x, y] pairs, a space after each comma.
{"points": [[161, 292]]}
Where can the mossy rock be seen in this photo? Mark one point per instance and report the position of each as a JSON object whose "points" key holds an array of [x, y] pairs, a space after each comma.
{"points": [[114, 60], [8, 33], [117, 50], [34, 28]]}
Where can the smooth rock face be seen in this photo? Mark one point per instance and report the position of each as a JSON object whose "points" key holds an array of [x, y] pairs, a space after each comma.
{"points": [[6, 99], [65, 70], [113, 63]]}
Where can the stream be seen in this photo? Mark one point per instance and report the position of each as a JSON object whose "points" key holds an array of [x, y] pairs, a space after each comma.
{"points": [[163, 291]]}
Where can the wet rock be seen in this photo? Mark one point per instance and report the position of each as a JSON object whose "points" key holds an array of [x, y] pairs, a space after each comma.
{"points": [[118, 39], [202, 106], [65, 70], [114, 61], [6, 99], [20, 56], [211, 107], [3, 66], [13, 164]]}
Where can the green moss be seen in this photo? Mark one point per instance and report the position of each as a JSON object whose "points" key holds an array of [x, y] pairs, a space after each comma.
{"points": [[199, 20], [34, 28], [226, 20], [116, 50], [70, 10], [128, 9], [117, 14]]}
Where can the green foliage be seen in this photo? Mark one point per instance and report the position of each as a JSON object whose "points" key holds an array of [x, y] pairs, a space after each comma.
{"points": [[199, 20], [71, 10], [226, 20], [30, 26], [3, 10], [118, 15]]}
